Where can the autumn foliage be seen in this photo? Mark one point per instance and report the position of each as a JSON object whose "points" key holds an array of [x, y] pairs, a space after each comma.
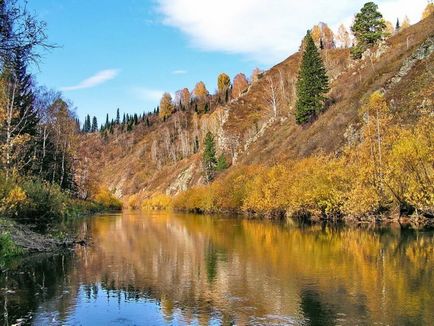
{"points": [[389, 171]]}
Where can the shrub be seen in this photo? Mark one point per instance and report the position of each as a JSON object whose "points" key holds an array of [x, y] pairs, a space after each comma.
{"points": [[158, 202], [105, 198], [7, 246]]}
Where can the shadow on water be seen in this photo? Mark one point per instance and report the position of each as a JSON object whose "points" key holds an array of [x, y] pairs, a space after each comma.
{"points": [[163, 268]]}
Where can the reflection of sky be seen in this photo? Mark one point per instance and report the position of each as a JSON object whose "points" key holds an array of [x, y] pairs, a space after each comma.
{"points": [[96, 306]]}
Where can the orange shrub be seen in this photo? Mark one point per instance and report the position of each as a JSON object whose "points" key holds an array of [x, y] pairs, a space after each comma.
{"points": [[157, 202], [105, 198]]}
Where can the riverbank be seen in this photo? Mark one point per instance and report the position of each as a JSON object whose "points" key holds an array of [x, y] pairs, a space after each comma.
{"points": [[32, 212], [194, 201]]}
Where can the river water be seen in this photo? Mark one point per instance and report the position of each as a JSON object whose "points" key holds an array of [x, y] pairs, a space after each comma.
{"points": [[174, 269]]}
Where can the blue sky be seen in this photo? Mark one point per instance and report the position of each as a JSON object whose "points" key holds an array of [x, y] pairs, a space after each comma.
{"points": [[125, 53]]}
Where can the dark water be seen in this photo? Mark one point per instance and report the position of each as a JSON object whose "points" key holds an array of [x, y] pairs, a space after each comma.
{"points": [[168, 269]]}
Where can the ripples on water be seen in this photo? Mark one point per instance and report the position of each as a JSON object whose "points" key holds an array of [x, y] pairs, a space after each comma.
{"points": [[163, 268]]}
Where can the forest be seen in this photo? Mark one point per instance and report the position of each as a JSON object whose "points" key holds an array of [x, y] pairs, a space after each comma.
{"points": [[39, 133]]}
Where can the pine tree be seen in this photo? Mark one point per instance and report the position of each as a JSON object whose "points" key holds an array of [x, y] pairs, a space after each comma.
{"points": [[221, 163], [94, 127], [107, 123], [312, 83], [368, 28], [24, 96], [118, 117], [397, 26], [209, 158], [87, 124]]}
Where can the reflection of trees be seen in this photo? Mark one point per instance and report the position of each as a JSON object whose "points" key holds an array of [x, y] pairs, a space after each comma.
{"points": [[33, 281], [242, 271], [315, 311], [206, 266]]}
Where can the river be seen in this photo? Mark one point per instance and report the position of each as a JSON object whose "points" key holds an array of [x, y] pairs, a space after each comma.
{"points": [[177, 269]]}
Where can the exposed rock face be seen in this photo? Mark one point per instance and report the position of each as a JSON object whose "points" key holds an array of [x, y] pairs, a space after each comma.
{"points": [[421, 53], [182, 182]]}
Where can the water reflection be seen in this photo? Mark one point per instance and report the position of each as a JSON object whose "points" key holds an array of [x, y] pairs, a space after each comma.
{"points": [[153, 269]]}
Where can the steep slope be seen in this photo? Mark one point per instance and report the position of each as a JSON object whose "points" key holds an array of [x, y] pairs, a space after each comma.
{"points": [[259, 126]]}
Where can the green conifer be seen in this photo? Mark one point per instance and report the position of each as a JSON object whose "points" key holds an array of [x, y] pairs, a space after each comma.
{"points": [[368, 28], [312, 83], [209, 157]]}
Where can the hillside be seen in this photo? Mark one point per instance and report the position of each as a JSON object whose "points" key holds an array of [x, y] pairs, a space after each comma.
{"points": [[163, 157]]}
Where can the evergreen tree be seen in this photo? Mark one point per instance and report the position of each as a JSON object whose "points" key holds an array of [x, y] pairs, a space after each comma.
{"points": [[221, 163], [107, 123], [209, 157], [94, 125], [398, 26], [123, 119], [312, 83], [87, 124], [118, 117], [368, 28], [24, 96]]}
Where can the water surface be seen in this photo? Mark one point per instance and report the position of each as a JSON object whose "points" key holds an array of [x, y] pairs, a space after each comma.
{"points": [[171, 269]]}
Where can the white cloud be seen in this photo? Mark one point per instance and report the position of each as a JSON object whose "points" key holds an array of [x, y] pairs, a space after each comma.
{"points": [[179, 72], [147, 94], [265, 30], [95, 80]]}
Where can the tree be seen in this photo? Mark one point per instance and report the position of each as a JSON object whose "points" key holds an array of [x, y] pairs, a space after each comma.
{"points": [[240, 84], [118, 117], [200, 97], [368, 28], [166, 106], [255, 75], [429, 10], [94, 127], [405, 23], [343, 37], [221, 163], [323, 36], [223, 86], [185, 97], [20, 32], [397, 26], [312, 83], [87, 126], [200, 91], [389, 30], [209, 158], [24, 98]]}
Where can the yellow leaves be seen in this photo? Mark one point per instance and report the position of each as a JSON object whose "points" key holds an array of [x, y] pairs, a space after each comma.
{"points": [[410, 165], [223, 82], [406, 23], [166, 106], [16, 197], [133, 201], [200, 90], [429, 10], [158, 202], [107, 199], [392, 167], [2, 116]]}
